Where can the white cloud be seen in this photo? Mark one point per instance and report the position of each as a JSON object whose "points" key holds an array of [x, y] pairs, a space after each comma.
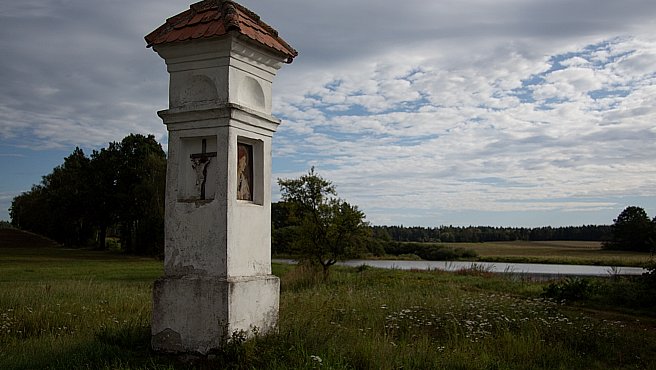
{"points": [[473, 125], [425, 107]]}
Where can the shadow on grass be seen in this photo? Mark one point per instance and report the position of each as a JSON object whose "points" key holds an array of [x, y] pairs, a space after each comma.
{"points": [[129, 348], [123, 348]]}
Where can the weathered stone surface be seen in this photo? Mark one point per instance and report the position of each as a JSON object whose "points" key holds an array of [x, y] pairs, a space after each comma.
{"points": [[217, 257], [168, 341], [196, 314]]}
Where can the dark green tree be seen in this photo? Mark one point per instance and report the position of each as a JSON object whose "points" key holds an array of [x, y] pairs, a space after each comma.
{"points": [[632, 230], [67, 193], [283, 228], [29, 211], [327, 229], [104, 168], [58, 207], [121, 186], [140, 186]]}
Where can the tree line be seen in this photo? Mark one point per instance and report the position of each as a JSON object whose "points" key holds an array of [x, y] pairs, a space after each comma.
{"points": [[475, 234], [117, 191]]}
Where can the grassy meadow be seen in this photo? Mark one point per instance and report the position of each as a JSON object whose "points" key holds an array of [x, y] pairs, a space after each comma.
{"points": [[563, 252], [72, 309]]}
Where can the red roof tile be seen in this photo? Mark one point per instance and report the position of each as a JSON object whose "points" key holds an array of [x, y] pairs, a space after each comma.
{"points": [[213, 18]]}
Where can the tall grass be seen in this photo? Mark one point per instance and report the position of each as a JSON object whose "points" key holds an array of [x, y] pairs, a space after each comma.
{"points": [[72, 323], [356, 319], [381, 319]]}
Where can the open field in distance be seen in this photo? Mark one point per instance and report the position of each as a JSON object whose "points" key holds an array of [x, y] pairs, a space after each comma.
{"points": [[565, 252]]}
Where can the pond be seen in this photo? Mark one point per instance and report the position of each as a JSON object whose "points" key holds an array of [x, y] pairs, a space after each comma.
{"points": [[498, 267]]}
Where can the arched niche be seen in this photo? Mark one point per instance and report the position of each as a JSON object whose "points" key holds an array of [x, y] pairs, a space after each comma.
{"points": [[251, 93], [200, 88]]}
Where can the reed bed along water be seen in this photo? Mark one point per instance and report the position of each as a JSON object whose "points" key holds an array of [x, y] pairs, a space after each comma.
{"points": [[359, 318]]}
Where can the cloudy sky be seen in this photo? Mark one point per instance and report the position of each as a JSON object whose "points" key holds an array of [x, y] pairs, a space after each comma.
{"points": [[467, 112]]}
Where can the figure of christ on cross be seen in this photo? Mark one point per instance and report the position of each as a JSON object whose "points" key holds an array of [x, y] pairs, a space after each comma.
{"points": [[199, 163]]}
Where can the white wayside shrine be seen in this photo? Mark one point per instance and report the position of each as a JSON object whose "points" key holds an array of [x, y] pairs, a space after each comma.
{"points": [[217, 266]]}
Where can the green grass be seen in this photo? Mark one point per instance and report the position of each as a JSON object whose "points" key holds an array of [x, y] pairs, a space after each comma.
{"points": [[69, 309], [560, 252], [46, 264]]}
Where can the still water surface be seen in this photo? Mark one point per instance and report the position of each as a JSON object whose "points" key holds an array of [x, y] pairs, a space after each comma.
{"points": [[516, 268]]}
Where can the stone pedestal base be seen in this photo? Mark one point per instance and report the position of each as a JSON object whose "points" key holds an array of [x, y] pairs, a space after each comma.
{"points": [[195, 314]]}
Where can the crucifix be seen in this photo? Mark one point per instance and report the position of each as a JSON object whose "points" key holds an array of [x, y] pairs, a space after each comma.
{"points": [[199, 162]]}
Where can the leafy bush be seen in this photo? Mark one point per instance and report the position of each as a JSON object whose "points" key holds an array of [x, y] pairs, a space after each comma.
{"points": [[634, 293], [620, 292], [429, 251], [113, 245], [571, 289], [375, 246], [649, 277]]}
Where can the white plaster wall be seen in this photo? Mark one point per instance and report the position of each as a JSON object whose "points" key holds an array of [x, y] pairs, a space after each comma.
{"points": [[217, 262], [241, 73], [196, 231], [190, 314], [197, 87], [248, 88], [253, 304], [195, 246], [194, 314], [251, 76], [249, 244], [249, 223], [224, 236]]}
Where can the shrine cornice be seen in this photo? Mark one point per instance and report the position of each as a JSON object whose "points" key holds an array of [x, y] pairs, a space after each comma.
{"points": [[231, 114]]}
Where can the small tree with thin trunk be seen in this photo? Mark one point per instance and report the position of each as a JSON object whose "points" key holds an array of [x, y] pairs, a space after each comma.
{"points": [[327, 229]]}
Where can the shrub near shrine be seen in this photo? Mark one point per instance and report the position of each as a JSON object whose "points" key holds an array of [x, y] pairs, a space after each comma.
{"points": [[325, 228]]}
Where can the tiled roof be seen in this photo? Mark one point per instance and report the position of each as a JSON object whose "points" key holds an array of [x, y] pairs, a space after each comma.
{"points": [[212, 18]]}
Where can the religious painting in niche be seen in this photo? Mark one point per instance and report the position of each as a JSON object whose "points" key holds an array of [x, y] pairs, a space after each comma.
{"points": [[244, 172]]}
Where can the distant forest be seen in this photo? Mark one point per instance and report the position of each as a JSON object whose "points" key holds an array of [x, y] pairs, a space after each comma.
{"points": [[474, 234]]}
